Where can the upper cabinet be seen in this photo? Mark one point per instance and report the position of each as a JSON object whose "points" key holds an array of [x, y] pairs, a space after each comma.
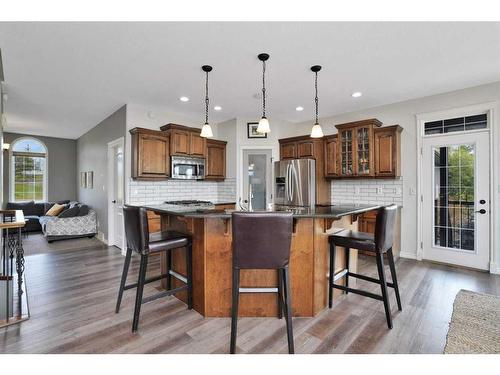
{"points": [[150, 154], [152, 149], [216, 160], [331, 154], [388, 151]]}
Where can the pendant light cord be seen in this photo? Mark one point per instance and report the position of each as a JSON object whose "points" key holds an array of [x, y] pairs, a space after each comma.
{"points": [[316, 98], [206, 100], [263, 89]]}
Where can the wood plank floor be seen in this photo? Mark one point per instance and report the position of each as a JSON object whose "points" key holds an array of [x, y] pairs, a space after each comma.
{"points": [[73, 293]]}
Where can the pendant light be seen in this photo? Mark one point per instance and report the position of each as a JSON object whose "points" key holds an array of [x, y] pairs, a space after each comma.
{"points": [[206, 130], [263, 123], [316, 131]]}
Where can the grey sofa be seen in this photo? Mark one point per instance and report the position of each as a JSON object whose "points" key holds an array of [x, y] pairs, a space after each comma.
{"points": [[32, 212]]}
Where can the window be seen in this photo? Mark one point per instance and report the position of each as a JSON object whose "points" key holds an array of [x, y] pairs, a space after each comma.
{"points": [[28, 170], [458, 124]]}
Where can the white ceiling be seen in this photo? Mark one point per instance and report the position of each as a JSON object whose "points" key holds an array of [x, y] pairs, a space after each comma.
{"points": [[64, 78]]}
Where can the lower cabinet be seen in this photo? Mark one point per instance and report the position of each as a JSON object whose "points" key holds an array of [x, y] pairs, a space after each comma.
{"points": [[154, 222]]}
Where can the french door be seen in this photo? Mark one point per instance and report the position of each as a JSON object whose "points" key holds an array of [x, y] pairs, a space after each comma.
{"points": [[456, 199]]}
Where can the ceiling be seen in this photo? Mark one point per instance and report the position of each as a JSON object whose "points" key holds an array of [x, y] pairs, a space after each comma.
{"points": [[64, 78]]}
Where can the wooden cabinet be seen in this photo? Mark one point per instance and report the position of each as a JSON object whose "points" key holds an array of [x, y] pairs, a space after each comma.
{"points": [[288, 150], [216, 160], [185, 141], [388, 151], [367, 222], [305, 149], [331, 151], [363, 149], [150, 154], [154, 222]]}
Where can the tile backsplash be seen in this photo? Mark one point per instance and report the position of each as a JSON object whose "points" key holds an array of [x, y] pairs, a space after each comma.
{"points": [[156, 192], [376, 191]]}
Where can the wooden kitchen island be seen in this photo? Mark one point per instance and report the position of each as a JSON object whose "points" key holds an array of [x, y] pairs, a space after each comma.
{"points": [[212, 259]]}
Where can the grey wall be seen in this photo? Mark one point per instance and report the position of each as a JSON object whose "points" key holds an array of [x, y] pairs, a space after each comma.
{"points": [[61, 166], [92, 153]]}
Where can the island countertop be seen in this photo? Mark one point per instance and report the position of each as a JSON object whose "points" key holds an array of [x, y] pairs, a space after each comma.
{"points": [[320, 211]]}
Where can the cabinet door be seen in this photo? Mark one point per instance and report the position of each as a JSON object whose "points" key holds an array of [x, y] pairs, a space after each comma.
{"points": [[305, 149], [346, 152], [153, 156], [364, 151], [385, 158], [288, 150], [331, 150], [154, 222], [216, 161], [197, 145], [180, 140]]}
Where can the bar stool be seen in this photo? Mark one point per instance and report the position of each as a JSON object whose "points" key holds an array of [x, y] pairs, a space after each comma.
{"points": [[140, 241], [262, 241], [379, 244]]}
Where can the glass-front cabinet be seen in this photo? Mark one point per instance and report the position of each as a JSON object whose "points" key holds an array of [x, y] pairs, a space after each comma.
{"points": [[356, 148]]}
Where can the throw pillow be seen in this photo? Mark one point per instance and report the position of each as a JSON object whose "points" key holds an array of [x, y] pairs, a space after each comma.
{"points": [[84, 210], [70, 212], [55, 210]]}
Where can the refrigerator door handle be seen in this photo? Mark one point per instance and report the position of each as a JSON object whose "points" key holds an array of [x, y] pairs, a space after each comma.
{"points": [[286, 183], [289, 182], [292, 180]]}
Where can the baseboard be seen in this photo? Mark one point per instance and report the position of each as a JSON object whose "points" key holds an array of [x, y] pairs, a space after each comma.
{"points": [[100, 237], [407, 255], [494, 268]]}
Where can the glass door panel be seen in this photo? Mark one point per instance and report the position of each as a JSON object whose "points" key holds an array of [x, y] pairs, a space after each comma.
{"points": [[257, 178], [363, 151], [346, 156]]}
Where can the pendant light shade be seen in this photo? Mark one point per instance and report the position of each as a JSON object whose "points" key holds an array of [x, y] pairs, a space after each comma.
{"points": [[264, 122], [316, 131], [206, 130]]}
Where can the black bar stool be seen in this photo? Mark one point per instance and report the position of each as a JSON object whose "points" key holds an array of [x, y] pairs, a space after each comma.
{"points": [[379, 244], [262, 241], [140, 241]]}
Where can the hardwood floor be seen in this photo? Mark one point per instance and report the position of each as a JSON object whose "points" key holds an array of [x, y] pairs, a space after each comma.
{"points": [[73, 294]]}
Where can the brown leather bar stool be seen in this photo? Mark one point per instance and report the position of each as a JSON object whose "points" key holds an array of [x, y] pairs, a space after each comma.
{"points": [[379, 244], [140, 241], [262, 241]]}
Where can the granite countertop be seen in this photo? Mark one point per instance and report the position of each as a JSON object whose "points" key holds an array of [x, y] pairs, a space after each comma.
{"points": [[320, 211]]}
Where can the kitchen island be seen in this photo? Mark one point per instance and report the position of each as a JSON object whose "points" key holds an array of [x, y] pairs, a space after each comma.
{"points": [[212, 259]]}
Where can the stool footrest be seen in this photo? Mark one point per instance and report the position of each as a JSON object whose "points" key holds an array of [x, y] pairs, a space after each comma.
{"points": [[147, 281], [358, 291], [164, 294], [178, 276], [259, 290], [367, 278]]}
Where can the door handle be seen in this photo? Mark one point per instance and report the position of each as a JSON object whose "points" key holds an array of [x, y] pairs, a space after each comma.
{"points": [[481, 211], [113, 201]]}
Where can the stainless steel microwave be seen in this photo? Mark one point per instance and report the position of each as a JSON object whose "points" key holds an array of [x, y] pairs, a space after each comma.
{"points": [[188, 168]]}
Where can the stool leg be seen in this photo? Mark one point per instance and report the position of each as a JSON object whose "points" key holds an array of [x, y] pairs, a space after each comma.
{"points": [[140, 289], [288, 310], [346, 252], [390, 258], [169, 267], [234, 308], [332, 270], [126, 266], [189, 268], [280, 296], [383, 287]]}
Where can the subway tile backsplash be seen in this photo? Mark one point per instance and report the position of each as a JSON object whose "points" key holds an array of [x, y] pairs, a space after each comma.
{"points": [[376, 191], [157, 192]]}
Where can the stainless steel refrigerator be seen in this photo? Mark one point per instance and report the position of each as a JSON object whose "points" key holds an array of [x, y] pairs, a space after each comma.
{"points": [[295, 182]]}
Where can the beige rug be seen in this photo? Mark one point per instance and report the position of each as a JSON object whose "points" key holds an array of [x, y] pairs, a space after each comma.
{"points": [[36, 243], [475, 324]]}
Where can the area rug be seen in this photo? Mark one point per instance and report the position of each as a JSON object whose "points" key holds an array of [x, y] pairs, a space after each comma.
{"points": [[36, 243], [475, 324]]}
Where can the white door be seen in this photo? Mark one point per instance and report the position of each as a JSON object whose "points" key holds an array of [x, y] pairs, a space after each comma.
{"points": [[456, 199], [116, 193], [257, 175]]}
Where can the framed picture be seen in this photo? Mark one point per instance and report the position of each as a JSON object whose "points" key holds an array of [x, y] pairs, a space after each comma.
{"points": [[83, 180], [89, 180], [252, 130]]}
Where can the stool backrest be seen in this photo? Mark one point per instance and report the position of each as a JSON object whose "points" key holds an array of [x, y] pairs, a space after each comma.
{"points": [[384, 227], [136, 228], [261, 240]]}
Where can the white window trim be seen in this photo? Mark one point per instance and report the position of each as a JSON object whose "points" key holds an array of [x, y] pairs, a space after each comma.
{"points": [[11, 170], [489, 109]]}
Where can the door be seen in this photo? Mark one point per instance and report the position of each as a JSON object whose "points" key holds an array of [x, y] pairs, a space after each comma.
{"points": [[456, 199], [331, 149], [216, 160], [116, 190], [257, 176], [180, 142], [288, 150], [153, 155], [302, 182], [197, 145]]}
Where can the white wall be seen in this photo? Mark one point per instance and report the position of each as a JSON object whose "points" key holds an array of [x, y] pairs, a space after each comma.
{"points": [[404, 114]]}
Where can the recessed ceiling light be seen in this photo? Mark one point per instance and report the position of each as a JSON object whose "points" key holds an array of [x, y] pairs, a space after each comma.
{"points": [[217, 108], [184, 99], [356, 94], [299, 108]]}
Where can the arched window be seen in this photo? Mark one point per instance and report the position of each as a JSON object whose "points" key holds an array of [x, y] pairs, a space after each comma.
{"points": [[28, 170]]}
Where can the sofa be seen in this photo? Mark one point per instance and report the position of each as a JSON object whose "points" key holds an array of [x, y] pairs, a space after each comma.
{"points": [[76, 220]]}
